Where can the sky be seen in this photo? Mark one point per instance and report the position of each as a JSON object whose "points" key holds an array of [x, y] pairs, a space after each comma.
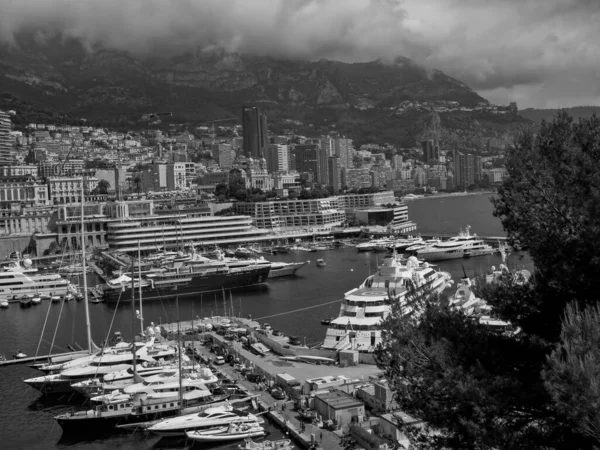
{"points": [[539, 53]]}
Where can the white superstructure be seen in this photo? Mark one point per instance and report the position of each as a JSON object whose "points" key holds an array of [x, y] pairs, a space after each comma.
{"points": [[363, 308], [17, 280], [465, 245]]}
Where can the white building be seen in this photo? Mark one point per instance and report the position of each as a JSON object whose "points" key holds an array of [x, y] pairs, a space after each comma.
{"points": [[277, 158]]}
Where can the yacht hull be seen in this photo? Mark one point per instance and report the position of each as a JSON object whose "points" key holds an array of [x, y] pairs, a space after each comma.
{"points": [[197, 285], [54, 387], [289, 270], [444, 255], [82, 423], [85, 422]]}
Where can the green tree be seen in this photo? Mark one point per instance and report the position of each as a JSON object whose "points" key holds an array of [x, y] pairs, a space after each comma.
{"points": [[573, 372], [221, 189], [103, 187], [538, 389], [550, 207], [461, 378], [138, 183]]}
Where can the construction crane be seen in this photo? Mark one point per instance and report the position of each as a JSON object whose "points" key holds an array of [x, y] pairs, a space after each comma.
{"points": [[213, 134]]}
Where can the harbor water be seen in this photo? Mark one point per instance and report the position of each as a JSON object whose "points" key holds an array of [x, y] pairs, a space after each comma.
{"points": [[293, 305]]}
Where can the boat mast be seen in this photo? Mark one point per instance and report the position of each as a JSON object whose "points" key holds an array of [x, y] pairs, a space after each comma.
{"points": [[83, 266], [133, 348], [180, 356], [140, 285]]}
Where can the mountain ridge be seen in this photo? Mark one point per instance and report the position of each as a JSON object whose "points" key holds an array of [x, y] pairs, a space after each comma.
{"points": [[358, 99], [578, 112]]}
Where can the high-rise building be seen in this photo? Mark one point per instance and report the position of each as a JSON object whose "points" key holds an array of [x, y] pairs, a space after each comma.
{"points": [[334, 173], [277, 158], [345, 151], [464, 170], [323, 175], [255, 132], [307, 159], [397, 162], [6, 143], [223, 154], [431, 152], [328, 145], [477, 168]]}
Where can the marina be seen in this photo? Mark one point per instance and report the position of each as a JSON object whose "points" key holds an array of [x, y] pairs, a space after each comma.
{"points": [[294, 308]]}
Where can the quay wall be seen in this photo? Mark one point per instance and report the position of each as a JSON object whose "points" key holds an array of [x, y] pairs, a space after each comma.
{"points": [[12, 243]]}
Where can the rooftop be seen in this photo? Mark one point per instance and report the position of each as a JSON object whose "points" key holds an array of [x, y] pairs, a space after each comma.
{"points": [[339, 400], [400, 418]]}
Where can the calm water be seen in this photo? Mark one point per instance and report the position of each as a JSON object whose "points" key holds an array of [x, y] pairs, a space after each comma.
{"points": [[27, 420], [450, 214]]}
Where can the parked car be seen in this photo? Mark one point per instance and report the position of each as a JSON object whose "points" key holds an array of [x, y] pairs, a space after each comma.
{"points": [[219, 361], [253, 377], [277, 394]]}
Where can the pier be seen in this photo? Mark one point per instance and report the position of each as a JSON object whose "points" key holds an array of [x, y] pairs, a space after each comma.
{"points": [[284, 412], [67, 356]]}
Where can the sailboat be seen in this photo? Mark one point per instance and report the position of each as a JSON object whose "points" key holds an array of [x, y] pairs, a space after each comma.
{"points": [[55, 365], [142, 401]]}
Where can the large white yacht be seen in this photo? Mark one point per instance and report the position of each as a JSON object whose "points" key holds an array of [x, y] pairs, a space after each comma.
{"points": [[124, 378], [210, 418], [363, 308], [465, 245], [20, 278], [99, 365], [120, 408]]}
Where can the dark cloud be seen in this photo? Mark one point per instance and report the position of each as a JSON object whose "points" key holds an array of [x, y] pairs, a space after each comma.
{"points": [[538, 52]]}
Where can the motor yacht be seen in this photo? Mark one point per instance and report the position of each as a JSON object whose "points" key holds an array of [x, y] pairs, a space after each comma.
{"points": [[210, 418], [363, 309], [99, 366], [120, 409], [233, 432], [465, 245]]}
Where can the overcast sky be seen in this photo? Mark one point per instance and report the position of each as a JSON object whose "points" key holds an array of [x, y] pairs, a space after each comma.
{"points": [[539, 53]]}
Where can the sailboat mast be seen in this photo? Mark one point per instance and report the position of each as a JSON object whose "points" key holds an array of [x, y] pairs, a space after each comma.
{"points": [[140, 285], [180, 356], [83, 267], [133, 324]]}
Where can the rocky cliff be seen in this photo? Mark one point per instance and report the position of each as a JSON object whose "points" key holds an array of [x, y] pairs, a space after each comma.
{"points": [[369, 101]]}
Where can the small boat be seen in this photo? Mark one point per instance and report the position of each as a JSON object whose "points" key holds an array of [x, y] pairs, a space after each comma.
{"points": [[281, 249], [321, 263], [242, 252], [55, 299], [233, 432], [19, 355], [69, 297], [259, 349], [25, 301], [4, 304], [36, 299], [282, 444], [327, 321]]}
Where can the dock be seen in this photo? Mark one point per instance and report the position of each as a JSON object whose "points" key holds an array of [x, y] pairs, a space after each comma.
{"points": [[32, 359], [283, 413]]}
